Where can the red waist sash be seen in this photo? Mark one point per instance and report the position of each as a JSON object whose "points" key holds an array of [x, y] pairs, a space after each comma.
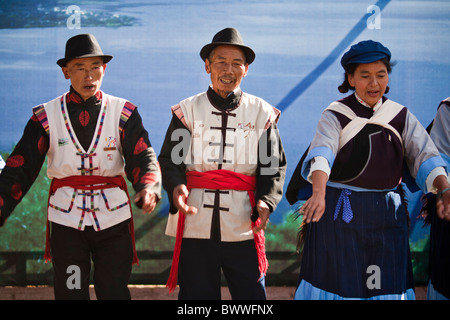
{"points": [[222, 180], [90, 183]]}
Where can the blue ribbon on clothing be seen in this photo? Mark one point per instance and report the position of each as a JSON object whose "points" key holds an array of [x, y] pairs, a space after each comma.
{"points": [[344, 202]]}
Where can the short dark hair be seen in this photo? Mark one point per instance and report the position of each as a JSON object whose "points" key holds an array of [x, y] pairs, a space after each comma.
{"points": [[350, 69], [211, 54]]}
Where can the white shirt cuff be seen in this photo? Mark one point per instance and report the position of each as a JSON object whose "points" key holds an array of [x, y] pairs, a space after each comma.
{"points": [[319, 163], [439, 171]]}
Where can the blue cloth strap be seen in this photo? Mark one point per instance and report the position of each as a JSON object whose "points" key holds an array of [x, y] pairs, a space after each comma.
{"points": [[344, 202]]}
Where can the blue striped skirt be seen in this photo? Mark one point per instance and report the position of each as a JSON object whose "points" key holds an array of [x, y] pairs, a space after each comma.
{"points": [[359, 249]]}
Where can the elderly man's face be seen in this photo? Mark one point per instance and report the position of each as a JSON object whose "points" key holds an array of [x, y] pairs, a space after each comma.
{"points": [[86, 75], [227, 67]]}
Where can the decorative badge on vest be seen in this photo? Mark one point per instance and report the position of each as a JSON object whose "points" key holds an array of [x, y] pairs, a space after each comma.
{"points": [[111, 143], [63, 142]]}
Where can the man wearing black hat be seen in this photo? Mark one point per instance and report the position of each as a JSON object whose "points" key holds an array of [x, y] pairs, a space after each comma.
{"points": [[92, 141], [223, 168]]}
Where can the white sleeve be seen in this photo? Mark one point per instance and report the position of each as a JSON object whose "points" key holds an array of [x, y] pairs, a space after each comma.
{"points": [[319, 163], [439, 171]]}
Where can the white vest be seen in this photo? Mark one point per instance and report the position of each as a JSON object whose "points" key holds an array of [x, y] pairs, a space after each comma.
{"points": [[242, 128], [66, 157]]}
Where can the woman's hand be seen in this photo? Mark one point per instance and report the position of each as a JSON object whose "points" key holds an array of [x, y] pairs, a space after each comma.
{"points": [[314, 207], [443, 205], [443, 198]]}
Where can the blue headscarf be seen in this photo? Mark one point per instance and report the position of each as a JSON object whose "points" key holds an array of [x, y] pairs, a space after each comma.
{"points": [[365, 52]]}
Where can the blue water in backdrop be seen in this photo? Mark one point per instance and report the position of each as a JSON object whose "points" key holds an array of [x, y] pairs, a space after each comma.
{"points": [[156, 62]]}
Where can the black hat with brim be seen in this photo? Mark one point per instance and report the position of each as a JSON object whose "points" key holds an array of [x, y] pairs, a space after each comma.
{"points": [[228, 36], [83, 46]]}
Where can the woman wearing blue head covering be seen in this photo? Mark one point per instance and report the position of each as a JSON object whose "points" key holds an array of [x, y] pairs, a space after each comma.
{"points": [[355, 222]]}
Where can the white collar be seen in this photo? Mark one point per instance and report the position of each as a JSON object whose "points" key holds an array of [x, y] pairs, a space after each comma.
{"points": [[375, 107]]}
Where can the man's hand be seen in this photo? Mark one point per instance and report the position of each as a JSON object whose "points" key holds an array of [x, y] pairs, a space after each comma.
{"points": [[146, 199], [264, 213], [180, 195]]}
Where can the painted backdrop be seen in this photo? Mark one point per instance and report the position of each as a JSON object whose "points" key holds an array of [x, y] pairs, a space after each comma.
{"points": [[156, 64]]}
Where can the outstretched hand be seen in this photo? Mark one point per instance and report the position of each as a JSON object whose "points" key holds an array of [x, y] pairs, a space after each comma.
{"points": [[443, 206], [146, 199], [314, 207], [443, 197], [180, 195]]}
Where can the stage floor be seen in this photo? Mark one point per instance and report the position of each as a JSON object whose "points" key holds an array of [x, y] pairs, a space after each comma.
{"points": [[150, 292]]}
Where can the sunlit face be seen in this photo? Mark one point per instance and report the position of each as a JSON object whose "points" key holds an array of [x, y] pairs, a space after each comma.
{"points": [[370, 81], [227, 66], [86, 75]]}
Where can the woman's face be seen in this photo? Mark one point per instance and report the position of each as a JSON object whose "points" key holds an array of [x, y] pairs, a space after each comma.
{"points": [[370, 81]]}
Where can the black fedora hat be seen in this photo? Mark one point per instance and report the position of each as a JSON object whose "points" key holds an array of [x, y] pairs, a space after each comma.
{"points": [[228, 36], [82, 46]]}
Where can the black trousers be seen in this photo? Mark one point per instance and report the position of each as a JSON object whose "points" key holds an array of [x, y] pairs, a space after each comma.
{"points": [[201, 262], [111, 252]]}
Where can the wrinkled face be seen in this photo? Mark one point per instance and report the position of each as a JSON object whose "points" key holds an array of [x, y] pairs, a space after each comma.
{"points": [[86, 75], [370, 81], [227, 67]]}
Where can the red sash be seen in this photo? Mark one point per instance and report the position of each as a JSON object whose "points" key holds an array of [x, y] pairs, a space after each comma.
{"points": [[89, 183], [223, 180]]}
